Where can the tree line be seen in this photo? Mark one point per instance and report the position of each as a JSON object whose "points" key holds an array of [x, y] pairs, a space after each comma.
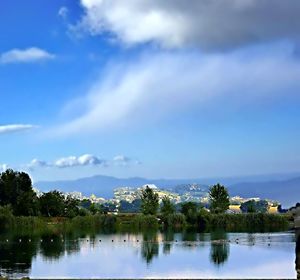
{"points": [[16, 192]]}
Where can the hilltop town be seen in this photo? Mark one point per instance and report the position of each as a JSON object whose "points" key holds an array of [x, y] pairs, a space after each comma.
{"points": [[127, 199]]}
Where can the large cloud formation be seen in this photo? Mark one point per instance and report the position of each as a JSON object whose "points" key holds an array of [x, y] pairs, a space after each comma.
{"points": [[210, 24], [161, 83]]}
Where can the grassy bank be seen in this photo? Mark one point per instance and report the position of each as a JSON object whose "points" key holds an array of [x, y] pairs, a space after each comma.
{"points": [[251, 222], [254, 222]]}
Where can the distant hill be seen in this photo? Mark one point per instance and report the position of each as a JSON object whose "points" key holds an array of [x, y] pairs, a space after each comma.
{"points": [[287, 191], [103, 186]]}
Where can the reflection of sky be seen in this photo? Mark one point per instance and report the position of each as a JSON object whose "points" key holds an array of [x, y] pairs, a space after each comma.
{"points": [[123, 260]]}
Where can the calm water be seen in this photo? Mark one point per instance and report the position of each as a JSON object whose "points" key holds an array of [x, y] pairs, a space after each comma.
{"points": [[151, 255]]}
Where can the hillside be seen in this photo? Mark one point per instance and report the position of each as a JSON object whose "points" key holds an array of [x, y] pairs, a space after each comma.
{"points": [[103, 186], [286, 191]]}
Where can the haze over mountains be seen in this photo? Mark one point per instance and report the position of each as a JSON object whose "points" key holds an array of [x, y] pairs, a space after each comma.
{"points": [[282, 187]]}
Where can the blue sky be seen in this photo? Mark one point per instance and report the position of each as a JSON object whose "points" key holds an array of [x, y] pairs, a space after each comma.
{"points": [[144, 88]]}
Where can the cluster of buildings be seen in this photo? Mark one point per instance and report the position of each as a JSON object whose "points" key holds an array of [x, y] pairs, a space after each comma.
{"points": [[190, 192], [130, 194]]}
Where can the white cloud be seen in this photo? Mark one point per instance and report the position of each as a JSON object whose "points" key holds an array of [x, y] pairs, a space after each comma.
{"points": [[122, 160], [25, 55], [10, 128], [63, 12], [83, 160], [35, 163], [158, 84], [212, 24]]}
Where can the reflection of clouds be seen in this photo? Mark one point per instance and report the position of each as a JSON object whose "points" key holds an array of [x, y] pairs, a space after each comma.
{"points": [[276, 270], [123, 260]]}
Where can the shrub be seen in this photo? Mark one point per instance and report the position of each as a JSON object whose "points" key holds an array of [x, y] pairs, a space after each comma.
{"points": [[176, 220], [6, 217], [145, 221]]}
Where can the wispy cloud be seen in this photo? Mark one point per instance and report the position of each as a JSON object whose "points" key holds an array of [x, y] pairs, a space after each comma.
{"points": [[122, 160], [167, 82], [35, 163], [63, 12], [10, 128], [25, 56], [213, 24]]}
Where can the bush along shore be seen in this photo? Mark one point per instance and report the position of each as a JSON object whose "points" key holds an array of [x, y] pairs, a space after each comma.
{"points": [[22, 210], [252, 222]]}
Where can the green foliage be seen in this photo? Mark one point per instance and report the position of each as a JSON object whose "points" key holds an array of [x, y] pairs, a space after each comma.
{"points": [[150, 202], [203, 219], [176, 220], [83, 212], [167, 207], [251, 222], [6, 217], [55, 204], [71, 208], [94, 208], [127, 207], [219, 199], [189, 210], [252, 206], [142, 221], [16, 190], [52, 204]]}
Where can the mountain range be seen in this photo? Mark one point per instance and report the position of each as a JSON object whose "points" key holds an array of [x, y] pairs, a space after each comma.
{"points": [[277, 187]]}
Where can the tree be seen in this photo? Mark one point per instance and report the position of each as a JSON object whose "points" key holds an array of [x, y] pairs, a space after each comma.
{"points": [[167, 207], [71, 206], [252, 206], [16, 190], [130, 207], [52, 204], [219, 199], [189, 210], [150, 201]]}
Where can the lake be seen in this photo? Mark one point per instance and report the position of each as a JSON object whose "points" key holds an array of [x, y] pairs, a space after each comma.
{"points": [[150, 255]]}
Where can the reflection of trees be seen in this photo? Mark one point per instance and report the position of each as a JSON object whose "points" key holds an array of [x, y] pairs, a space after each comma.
{"points": [[298, 254], [16, 256], [52, 246], [219, 252], [251, 239], [189, 235], [168, 238], [150, 246]]}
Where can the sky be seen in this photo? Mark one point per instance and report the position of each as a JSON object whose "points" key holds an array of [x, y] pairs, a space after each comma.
{"points": [[157, 89]]}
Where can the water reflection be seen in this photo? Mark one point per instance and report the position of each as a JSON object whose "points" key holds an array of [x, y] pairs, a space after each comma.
{"points": [[16, 255], [150, 246], [52, 247], [168, 238], [18, 252], [219, 252]]}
